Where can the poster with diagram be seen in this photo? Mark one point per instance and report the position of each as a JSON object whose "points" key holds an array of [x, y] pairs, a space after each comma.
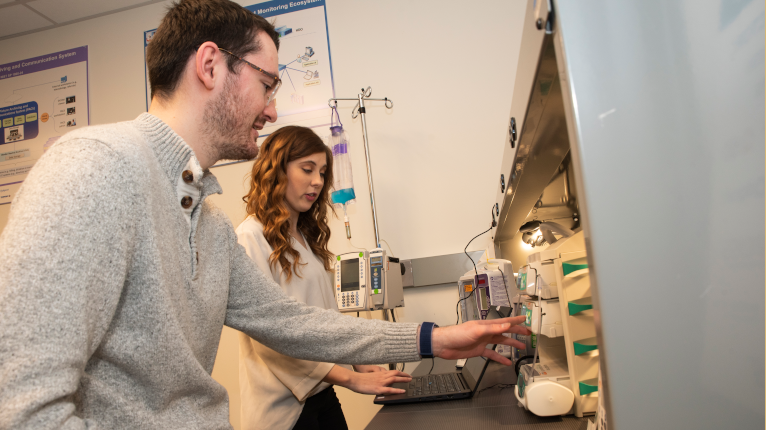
{"points": [[41, 98], [305, 65], [304, 61]]}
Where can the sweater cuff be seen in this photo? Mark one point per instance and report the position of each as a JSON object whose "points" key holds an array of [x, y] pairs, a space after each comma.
{"points": [[401, 342]]}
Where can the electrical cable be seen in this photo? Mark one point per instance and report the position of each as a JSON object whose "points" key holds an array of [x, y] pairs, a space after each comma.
{"points": [[356, 247], [458, 304], [501, 386], [465, 250], [392, 315], [389, 247], [432, 366], [521, 361]]}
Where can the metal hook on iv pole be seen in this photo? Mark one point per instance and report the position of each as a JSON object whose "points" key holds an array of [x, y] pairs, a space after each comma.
{"points": [[360, 109], [364, 95]]}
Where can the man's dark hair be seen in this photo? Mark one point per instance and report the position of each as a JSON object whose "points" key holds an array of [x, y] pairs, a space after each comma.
{"points": [[190, 23]]}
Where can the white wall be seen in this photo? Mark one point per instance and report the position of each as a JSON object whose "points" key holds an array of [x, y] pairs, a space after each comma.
{"points": [[448, 66]]}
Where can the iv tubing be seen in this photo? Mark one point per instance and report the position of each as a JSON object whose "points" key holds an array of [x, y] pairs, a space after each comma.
{"points": [[345, 218]]}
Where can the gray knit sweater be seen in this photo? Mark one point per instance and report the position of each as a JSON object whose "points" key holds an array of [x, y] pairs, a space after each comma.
{"points": [[110, 316]]}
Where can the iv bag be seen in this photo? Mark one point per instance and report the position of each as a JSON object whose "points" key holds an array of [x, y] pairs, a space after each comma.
{"points": [[343, 180]]}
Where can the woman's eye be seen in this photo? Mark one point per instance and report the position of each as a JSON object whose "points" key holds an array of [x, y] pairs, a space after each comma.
{"points": [[307, 170], [322, 175]]}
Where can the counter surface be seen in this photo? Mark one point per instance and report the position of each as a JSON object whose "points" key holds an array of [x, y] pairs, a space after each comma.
{"points": [[494, 406]]}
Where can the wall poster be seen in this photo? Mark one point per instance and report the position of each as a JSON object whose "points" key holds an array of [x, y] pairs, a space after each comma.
{"points": [[41, 98]]}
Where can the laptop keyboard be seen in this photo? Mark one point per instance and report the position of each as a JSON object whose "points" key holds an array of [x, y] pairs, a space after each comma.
{"points": [[434, 384]]}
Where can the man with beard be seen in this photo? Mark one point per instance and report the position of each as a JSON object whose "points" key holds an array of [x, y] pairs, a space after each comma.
{"points": [[117, 275]]}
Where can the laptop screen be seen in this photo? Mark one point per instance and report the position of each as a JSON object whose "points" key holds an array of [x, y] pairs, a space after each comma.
{"points": [[472, 371]]}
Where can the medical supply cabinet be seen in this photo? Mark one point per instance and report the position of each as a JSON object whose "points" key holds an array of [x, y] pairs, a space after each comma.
{"points": [[641, 126]]}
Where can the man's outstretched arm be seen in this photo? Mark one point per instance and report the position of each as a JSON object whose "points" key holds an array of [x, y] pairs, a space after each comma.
{"points": [[259, 308]]}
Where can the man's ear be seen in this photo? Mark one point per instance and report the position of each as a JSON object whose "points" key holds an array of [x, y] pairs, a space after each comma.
{"points": [[208, 64]]}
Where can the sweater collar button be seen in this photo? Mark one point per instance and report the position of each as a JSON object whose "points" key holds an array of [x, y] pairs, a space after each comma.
{"points": [[187, 176]]}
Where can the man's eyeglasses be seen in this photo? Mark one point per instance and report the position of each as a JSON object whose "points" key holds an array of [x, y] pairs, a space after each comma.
{"points": [[276, 82]]}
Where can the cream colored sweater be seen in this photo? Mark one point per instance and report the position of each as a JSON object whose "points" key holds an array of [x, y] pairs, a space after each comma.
{"points": [[274, 386]]}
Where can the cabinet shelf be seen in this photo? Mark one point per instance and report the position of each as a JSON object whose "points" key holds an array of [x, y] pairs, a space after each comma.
{"points": [[576, 267], [577, 306], [588, 386], [585, 345]]}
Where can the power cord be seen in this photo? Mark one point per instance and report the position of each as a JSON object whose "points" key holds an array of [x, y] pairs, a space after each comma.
{"points": [[501, 386], [432, 366], [520, 362], [457, 312], [465, 250], [389, 247], [356, 247]]}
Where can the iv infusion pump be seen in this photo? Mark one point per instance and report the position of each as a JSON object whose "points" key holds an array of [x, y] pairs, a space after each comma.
{"points": [[368, 281], [351, 287], [486, 286], [474, 296], [386, 274]]}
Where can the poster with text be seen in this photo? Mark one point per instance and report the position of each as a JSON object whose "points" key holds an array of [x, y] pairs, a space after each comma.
{"points": [[305, 66], [304, 62], [41, 98]]}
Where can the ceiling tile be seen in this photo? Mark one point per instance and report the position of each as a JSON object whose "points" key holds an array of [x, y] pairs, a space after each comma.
{"points": [[17, 19], [68, 10]]}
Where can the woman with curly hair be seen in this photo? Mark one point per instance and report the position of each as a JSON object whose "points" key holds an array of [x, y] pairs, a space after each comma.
{"points": [[286, 234]]}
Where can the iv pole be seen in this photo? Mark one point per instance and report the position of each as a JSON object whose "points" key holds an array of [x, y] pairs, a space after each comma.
{"points": [[360, 110]]}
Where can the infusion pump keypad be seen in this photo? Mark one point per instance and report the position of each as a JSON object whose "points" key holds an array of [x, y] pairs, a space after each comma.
{"points": [[350, 299]]}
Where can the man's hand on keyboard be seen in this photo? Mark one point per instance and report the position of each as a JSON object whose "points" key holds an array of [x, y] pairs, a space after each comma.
{"points": [[471, 338]]}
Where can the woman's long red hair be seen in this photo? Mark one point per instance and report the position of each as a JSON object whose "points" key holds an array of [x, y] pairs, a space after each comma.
{"points": [[266, 199]]}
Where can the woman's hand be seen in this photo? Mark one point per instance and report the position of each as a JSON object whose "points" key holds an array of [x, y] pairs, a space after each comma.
{"points": [[365, 368], [378, 382], [372, 381]]}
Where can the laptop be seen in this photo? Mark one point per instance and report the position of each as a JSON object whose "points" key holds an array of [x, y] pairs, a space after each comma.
{"points": [[446, 386]]}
